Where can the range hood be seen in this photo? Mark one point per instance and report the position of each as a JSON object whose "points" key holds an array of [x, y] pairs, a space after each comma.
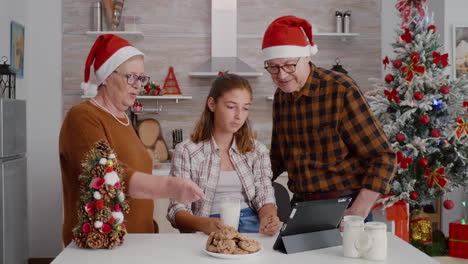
{"points": [[224, 43]]}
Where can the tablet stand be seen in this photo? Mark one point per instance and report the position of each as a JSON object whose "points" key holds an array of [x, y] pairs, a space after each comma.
{"points": [[309, 241]]}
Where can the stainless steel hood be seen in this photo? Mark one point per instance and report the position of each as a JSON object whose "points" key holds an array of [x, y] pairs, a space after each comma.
{"points": [[224, 43]]}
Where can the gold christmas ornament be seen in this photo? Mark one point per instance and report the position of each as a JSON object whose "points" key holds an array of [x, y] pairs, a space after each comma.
{"points": [[109, 163], [420, 227]]}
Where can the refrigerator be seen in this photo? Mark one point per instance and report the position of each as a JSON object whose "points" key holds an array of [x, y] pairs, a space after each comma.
{"points": [[13, 184]]}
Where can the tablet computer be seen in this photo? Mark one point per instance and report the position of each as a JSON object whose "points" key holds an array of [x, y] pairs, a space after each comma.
{"points": [[313, 216]]}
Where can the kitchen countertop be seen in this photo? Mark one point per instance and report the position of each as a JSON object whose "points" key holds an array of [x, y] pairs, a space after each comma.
{"points": [[188, 248]]}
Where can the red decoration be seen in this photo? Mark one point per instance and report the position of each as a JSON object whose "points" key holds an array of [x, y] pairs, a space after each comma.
{"points": [[424, 119], [99, 204], [414, 67], [448, 204], [404, 162], [435, 133], [111, 220], [171, 86], [400, 137], [393, 95], [435, 176], [137, 107], [398, 212], [423, 162], [440, 58], [109, 169], [418, 96], [406, 37], [413, 195], [465, 104], [405, 7], [444, 89], [433, 28], [105, 229], [385, 62], [90, 208], [86, 228], [462, 128], [389, 78], [153, 89], [458, 239], [397, 64]]}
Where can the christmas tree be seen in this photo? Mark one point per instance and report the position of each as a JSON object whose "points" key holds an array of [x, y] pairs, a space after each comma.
{"points": [[102, 202], [423, 111]]}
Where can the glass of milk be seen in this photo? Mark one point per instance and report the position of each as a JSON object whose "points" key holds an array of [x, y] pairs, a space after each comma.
{"points": [[353, 227], [230, 211], [373, 243]]}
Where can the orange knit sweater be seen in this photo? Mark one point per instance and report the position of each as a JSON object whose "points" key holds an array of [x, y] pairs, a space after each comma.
{"points": [[84, 125]]}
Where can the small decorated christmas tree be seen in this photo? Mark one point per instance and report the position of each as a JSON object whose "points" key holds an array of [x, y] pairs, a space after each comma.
{"points": [[102, 202], [423, 112]]}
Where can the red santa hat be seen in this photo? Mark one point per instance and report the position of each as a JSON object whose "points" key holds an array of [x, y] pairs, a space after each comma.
{"points": [[288, 37], [107, 53]]}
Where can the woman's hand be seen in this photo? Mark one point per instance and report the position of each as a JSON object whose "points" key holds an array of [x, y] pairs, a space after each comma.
{"points": [[269, 225], [185, 190], [211, 224]]}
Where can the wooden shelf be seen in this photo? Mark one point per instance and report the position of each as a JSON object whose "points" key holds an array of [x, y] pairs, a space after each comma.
{"points": [[118, 33], [149, 97]]}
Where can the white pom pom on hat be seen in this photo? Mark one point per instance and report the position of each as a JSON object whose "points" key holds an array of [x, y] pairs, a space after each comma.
{"points": [[288, 37], [107, 53]]}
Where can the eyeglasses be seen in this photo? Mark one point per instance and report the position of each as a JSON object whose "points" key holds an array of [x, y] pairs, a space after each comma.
{"points": [[133, 78], [288, 68]]}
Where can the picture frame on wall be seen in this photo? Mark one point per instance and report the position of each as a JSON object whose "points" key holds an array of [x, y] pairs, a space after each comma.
{"points": [[460, 51], [17, 49]]}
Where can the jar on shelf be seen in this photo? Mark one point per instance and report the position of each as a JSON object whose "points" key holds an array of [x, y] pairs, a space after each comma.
{"points": [[347, 21]]}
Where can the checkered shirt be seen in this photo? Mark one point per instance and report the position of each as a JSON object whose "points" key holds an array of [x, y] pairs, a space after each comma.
{"points": [[201, 163], [327, 139]]}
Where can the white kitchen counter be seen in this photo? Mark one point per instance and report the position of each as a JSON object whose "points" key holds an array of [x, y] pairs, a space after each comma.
{"points": [[187, 248]]}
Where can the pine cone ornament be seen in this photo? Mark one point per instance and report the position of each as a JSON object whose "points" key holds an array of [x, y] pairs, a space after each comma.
{"points": [[104, 214], [96, 240], [102, 192], [80, 240], [98, 171], [103, 147]]}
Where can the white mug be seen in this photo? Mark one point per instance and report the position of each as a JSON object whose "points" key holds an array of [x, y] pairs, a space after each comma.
{"points": [[372, 245], [353, 227], [230, 211]]}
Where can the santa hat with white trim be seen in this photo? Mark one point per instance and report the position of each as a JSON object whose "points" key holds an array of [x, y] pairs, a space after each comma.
{"points": [[288, 37], [108, 52]]}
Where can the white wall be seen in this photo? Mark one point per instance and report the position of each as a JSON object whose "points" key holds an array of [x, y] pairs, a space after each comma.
{"points": [[43, 65], [389, 23], [41, 88]]}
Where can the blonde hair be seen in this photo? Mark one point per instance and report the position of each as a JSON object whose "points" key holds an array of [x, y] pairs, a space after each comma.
{"points": [[203, 130]]}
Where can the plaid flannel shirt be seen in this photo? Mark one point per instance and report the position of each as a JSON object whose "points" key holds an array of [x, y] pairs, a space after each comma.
{"points": [[327, 139], [201, 163]]}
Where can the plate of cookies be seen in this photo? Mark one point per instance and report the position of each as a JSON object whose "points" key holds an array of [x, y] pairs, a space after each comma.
{"points": [[230, 244]]}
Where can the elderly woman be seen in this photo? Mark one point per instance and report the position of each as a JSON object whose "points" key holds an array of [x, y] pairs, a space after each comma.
{"points": [[119, 70]]}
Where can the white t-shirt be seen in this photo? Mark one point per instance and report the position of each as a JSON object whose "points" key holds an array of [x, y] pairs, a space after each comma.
{"points": [[229, 185]]}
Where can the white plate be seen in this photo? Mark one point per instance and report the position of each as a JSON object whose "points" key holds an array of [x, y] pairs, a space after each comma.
{"points": [[233, 256]]}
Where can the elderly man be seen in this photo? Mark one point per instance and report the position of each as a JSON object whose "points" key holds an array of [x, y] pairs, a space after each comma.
{"points": [[324, 134]]}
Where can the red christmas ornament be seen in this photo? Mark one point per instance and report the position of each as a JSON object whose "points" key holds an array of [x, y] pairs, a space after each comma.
{"points": [[397, 64], [448, 204], [435, 133], [424, 119], [418, 96], [400, 137], [423, 162], [433, 28], [413, 195], [389, 78], [444, 89]]}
